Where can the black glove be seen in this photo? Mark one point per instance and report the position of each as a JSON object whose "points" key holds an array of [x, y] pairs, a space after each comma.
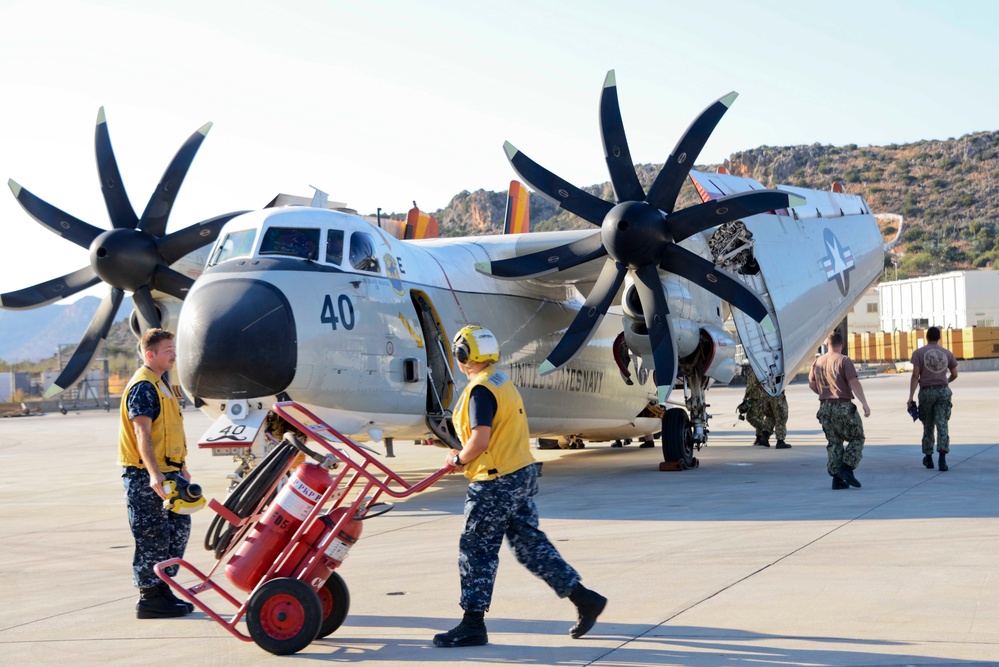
{"points": [[913, 410]]}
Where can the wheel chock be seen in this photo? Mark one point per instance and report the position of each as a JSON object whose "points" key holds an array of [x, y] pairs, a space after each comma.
{"points": [[678, 465]]}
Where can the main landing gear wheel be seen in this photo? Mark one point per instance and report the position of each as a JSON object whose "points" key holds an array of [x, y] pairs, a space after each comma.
{"points": [[284, 616], [678, 438], [335, 601]]}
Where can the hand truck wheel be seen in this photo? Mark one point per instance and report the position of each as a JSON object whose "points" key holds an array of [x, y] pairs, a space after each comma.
{"points": [[335, 600], [284, 616]]}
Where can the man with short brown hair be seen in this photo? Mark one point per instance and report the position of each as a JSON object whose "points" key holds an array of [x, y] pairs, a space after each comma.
{"points": [[834, 378], [152, 448]]}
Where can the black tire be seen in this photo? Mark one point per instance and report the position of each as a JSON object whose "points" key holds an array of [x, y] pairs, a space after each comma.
{"points": [[678, 437], [284, 616], [335, 601]]}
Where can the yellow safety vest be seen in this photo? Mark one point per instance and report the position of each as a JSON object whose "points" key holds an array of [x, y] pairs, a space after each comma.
{"points": [[509, 447], [167, 430]]}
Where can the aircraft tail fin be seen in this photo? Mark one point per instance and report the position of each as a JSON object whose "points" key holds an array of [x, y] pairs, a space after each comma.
{"points": [[421, 225], [518, 210]]}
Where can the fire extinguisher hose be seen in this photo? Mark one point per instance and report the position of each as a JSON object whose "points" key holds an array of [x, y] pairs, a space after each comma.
{"points": [[246, 497]]}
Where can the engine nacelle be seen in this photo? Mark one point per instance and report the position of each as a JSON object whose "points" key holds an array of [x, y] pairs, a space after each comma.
{"points": [[686, 334], [718, 346], [169, 312]]}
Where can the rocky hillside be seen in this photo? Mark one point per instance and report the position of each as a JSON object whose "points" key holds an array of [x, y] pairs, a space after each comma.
{"points": [[947, 191]]}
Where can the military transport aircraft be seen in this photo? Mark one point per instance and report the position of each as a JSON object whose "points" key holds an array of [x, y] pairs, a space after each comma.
{"points": [[325, 308]]}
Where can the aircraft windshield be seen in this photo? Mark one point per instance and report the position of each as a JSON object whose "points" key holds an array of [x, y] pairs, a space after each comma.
{"points": [[236, 244], [362, 252], [334, 246], [292, 241]]}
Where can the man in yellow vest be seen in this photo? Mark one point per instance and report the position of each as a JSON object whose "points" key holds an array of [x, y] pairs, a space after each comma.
{"points": [[496, 457], [152, 449]]}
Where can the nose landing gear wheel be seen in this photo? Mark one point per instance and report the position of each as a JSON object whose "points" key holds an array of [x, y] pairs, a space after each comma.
{"points": [[335, 601], [678, 438], [284, 616]]}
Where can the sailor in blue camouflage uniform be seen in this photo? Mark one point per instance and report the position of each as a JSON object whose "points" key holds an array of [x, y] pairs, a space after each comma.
{"points": [[152, 449], [933, 369], [496, 457]]}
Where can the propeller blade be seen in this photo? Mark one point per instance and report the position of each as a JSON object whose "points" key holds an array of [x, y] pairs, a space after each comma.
{"points": [[172, 282], [145, 309], [174, 246], [85, 351], [545, 261], [693, 219], [650, 293], [719, 282], [584, 325], [566, 195], [666, 187], [115, 198], [49, 291], [616, 152], [154, 217], [55, 220]]}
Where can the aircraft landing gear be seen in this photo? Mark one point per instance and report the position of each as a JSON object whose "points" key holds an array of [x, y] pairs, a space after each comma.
{"points": [[678, 440], [681, 434]]}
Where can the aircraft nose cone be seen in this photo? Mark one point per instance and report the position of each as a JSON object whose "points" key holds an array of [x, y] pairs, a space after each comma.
{"points": [[236, 339]]}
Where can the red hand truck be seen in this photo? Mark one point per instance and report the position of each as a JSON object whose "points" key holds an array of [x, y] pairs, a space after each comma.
{"points": [[295, 596]]}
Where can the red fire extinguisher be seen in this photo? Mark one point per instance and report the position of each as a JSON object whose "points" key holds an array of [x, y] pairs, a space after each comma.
{"points": [[331, 558], [271, 534]]}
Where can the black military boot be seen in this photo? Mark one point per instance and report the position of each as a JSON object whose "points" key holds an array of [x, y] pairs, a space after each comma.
{"points": [[589, 605], [928, 461], [168, 593], [763, 440], [942, 464], [783, 445], [470, 632], [152, 604], [846, 474], [837, 483]]}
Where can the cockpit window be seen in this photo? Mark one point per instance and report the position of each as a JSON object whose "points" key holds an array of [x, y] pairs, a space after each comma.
{"points": [[235, 244], [334, 246], [362, 252], [292, 241]]}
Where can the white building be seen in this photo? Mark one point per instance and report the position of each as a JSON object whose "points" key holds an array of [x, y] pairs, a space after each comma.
{"points": [[865, 315], [957, 300]]}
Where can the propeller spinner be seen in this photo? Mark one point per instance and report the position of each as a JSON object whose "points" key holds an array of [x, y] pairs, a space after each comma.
{"points": [[640, 234], [135, 255]]}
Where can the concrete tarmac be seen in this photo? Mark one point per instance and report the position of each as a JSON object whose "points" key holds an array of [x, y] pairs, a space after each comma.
{"points": [[749, 560]]}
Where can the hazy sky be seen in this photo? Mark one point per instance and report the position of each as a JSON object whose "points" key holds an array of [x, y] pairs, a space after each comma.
{"points": [[381, 103]]}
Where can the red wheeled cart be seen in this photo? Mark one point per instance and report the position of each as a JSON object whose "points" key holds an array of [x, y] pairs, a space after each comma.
{"points": [[288, 547]]}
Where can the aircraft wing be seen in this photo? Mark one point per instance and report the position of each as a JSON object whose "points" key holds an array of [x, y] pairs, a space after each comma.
{"points": [[815, 261]]}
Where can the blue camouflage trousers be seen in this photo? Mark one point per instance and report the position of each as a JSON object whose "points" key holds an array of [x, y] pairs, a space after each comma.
{"points": [[159, 533], [505, 507], [841, 422], [934, 412]]}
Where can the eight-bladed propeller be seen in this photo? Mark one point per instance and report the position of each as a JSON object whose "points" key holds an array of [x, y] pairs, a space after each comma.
{"points": [[639, 234], [135, 255]]}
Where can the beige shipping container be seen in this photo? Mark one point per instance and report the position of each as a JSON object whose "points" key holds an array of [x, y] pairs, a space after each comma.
{"points": [[980, 342], [903, 351], [884, 346]]}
